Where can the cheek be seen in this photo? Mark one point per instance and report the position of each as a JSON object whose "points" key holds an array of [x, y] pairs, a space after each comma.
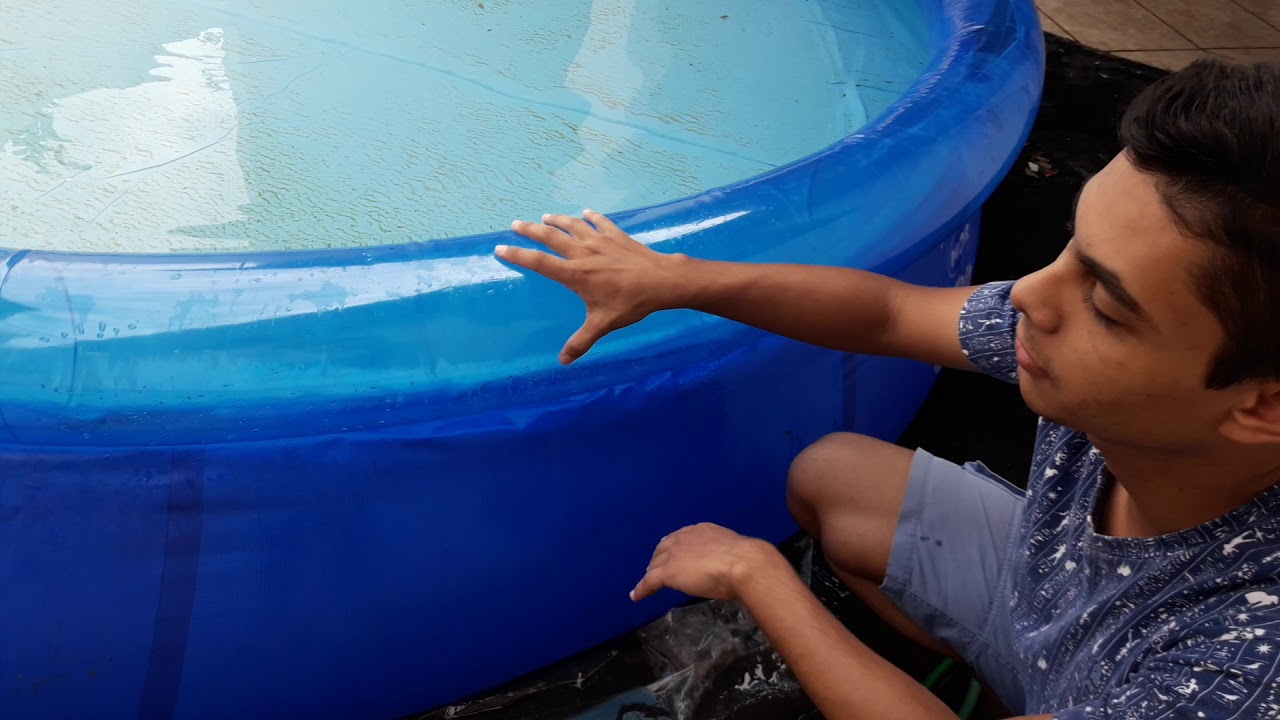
{"points": [[1097, 358], [1104, 370], [1138, 382]]}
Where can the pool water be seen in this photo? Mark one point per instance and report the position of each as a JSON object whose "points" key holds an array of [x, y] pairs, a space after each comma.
{"points": [[235, 125]]}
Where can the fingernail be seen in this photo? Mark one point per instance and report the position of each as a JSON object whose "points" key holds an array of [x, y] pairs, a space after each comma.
{"points": [[515, 224], [500, 250], [546, 217], [632, 595], [588, 211]]}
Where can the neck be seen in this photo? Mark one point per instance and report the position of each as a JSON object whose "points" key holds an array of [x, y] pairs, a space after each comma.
{"points": [[1158, 491]]}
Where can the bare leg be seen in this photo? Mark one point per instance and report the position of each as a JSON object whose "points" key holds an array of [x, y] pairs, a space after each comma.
{"points": [[846, 492]]}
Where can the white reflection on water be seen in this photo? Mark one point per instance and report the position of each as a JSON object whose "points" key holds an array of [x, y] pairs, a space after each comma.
{"points": [[116, 169]]}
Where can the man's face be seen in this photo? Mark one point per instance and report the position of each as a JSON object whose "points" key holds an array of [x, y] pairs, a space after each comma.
{"points": [[1114, 340]]}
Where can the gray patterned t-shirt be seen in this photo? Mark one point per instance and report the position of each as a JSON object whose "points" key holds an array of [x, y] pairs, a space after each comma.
{"points": [[1185, 625]]}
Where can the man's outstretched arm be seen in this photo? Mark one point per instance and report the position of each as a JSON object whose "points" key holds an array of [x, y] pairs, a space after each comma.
{"points": [[622, 281]]}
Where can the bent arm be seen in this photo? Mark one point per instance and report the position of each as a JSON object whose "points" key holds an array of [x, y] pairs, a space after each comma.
{"points": [[844, 678]]}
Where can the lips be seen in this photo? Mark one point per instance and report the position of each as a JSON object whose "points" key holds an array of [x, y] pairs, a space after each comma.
{"points": [[1026, 362]]}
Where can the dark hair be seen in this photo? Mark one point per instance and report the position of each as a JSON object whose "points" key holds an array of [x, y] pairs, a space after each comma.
{"points": [[1211, 136]]}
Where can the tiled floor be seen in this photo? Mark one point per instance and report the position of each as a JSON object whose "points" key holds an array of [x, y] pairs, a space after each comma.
{"points": [[1169, 33]]}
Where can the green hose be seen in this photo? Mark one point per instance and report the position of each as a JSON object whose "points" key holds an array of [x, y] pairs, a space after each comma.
{"points": [[971, 697], [970, 700], [938, 673]]}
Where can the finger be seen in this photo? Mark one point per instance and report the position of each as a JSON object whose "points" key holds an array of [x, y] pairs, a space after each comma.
{"points": [[583, 340], [576, 227], [553, 238], [602, 223], [659, 559], [665, 543], [547, 265], [649, 584]]}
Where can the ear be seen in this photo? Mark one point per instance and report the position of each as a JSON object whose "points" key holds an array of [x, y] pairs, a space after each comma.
{"points": [[1257, 421]]}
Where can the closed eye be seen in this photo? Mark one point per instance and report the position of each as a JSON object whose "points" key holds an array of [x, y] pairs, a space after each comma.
{"points": [[1102, 317]]}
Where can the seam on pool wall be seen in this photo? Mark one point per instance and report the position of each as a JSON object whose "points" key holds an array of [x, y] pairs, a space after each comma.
{"points": [[179, 575], [75, 339], [843, 29], [571, 110], [9, 264]]}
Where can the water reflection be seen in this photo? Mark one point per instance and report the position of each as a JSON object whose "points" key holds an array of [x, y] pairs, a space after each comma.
{"points": [[294, 124], [115, 169]]}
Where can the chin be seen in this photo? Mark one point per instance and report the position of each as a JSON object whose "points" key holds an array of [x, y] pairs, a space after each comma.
{"points": [[1039, 400]]}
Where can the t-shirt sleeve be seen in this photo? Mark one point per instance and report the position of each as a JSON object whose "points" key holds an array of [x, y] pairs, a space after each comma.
{"points": [[988, 325], [1234, 678]]}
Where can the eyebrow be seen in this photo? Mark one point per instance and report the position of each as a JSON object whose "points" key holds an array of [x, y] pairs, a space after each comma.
{"points": [[1109, 280]]}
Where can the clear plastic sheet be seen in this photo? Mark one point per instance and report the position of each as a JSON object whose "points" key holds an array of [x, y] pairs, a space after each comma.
{"points": [[702, 661]]}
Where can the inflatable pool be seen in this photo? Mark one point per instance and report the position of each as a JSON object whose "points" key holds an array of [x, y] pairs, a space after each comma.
{"points": [[267, 450]]}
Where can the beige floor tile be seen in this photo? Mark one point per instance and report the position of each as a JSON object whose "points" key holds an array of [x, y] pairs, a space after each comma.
{"points": [[1268, 10], [1250, 55], [1114, 25], [1214, 23], [1167, 59], [1049, 25]]}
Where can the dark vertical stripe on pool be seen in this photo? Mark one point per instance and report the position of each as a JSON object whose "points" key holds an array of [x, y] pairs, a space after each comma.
{"points": [[177, 586]]}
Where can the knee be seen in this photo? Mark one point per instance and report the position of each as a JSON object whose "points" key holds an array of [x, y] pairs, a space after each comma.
{"points": [[822, 470]]}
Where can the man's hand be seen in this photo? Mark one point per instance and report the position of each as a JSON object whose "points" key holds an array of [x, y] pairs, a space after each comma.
{"points": [[711, 562], [622, 281], [708, 561]]}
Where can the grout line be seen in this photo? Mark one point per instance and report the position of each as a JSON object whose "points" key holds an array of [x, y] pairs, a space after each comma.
{"points": [[1166, 24], [1264, 20], [1190, 50], [1218, 52], [1055, 22]]}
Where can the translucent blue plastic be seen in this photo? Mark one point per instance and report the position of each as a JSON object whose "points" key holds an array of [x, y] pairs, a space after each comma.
{"points": [[356, 483]]}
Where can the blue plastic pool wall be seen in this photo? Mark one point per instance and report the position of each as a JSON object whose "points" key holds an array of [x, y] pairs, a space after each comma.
{"points": [[356, 485]]}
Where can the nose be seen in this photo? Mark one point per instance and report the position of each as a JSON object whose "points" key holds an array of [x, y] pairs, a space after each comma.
{"points": [[1038, 297]]}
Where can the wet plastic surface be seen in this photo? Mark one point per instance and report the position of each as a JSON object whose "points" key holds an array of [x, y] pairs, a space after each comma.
{"points": [[702, 661], [356, 483]]}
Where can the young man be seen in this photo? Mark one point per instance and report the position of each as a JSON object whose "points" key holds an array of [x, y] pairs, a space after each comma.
{"points": [[1139, 576]]}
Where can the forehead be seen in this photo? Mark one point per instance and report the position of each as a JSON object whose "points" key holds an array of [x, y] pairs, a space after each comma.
{"points": [[1122, 222]]}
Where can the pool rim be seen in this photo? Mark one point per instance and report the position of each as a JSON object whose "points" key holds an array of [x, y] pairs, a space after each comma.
{"points": [[78, 413]]}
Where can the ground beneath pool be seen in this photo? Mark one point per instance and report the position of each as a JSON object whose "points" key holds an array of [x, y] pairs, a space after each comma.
{"points": [[708, 662]]}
